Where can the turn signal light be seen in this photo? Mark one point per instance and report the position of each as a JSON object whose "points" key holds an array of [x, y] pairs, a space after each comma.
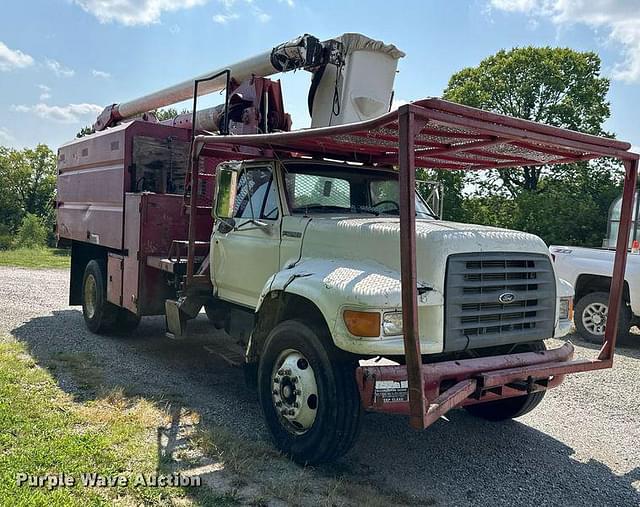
{"points": [[364, 324]]}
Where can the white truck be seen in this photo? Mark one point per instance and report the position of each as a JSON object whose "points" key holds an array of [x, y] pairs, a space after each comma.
{"points": [[306, 248], [589, 271], [307, 251]]}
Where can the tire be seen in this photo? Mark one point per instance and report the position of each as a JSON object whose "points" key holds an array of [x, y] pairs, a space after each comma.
{"points": [[510, 408], [321, 381], [589, 319], [100, 316]]}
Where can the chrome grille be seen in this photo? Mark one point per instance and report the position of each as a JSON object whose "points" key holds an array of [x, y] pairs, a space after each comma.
{"points": [[475, 314]]}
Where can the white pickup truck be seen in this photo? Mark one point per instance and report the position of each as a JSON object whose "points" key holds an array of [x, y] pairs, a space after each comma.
{"points": [[589, 271]]}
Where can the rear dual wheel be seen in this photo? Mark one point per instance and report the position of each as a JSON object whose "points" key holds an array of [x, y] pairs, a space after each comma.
{"points": [[308, 393], [100, 316]]}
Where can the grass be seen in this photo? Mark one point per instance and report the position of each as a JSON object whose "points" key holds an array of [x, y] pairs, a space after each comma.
{"points": [[45, 432], [116, 432], [261, 463], [36, 258]]}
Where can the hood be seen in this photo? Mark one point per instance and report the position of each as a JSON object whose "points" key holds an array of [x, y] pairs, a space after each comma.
{"points": [[378, 239]]}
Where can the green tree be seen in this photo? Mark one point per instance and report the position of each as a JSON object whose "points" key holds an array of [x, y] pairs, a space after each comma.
{"points": [[452, 185], [167, 113], [27, 185], [85, 131], [557, 86], [32, 232]]}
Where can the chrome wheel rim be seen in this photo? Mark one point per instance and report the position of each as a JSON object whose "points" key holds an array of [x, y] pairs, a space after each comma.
{"points": [[90, 296], [594, 318], [294, 392]]}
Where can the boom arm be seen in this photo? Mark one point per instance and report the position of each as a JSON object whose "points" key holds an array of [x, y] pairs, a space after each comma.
{"points": [[305, 52]]}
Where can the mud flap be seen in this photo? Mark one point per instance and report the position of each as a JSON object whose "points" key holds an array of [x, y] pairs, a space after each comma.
{"points": [[176, 320]]}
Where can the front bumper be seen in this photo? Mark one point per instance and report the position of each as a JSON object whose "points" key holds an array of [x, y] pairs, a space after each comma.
{"points": [[452, 384]]}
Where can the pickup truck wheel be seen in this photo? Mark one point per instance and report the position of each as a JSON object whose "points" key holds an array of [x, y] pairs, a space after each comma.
{"points": [[510, 408], [591, 317], [308, 394], [99, 315]]}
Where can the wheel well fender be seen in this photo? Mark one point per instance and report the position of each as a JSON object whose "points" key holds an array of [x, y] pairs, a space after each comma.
{"points": [[81, 254], [278, 306], [588, 283]]}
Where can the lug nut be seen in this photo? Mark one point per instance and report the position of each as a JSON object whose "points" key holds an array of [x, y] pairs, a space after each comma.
{"points": [[296, 405], [294, 380], [297, 392], [287, 372], [278, 403], [292, 412], [276, 380], [281, 371]]}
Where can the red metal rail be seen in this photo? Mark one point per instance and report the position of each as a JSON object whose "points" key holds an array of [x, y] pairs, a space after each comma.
{"points": [[420, 412], [438, 134]]}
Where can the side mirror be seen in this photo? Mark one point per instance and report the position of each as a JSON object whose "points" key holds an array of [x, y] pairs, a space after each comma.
{"points": [[226, 185]]}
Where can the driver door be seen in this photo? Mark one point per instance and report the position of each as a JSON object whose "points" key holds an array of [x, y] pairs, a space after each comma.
{"points": [[247, 254]]}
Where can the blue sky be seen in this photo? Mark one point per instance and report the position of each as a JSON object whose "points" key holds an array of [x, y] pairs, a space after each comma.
{"points": [[61, 61]]}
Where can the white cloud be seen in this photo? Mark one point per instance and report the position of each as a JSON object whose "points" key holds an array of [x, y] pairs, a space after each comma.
{"points": [[261, 16], [223, 19], [514, 5], [45, 92], [13, 58], [134, 12], [71, 113], [620, 18], [6, 137], [100, 73], [396, 103], [59, 69], [290, 3]]}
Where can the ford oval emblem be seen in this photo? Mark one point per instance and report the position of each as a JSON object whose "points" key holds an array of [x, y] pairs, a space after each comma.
{"points": [[507, 297]]}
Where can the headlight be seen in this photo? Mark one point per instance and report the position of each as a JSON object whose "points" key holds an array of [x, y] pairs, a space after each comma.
{"points": [[392, 323], [566, 308]]}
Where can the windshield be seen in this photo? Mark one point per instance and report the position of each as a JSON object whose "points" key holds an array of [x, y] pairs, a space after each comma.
{"points": [[312, 188]]}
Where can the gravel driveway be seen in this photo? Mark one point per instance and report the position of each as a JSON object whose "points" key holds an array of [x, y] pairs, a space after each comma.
{"points": [[580, 447]]}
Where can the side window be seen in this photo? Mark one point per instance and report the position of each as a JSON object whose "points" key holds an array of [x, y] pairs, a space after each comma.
{"points": [[257, 195]]}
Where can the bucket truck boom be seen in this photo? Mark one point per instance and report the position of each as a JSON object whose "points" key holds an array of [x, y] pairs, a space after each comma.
{"points": [[352, 79]]}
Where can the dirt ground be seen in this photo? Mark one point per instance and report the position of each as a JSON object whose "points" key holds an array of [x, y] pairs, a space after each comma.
{"points": [[581, 446]]}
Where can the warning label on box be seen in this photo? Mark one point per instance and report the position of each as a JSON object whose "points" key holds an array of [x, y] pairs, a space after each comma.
{"points": [[392, 390]]}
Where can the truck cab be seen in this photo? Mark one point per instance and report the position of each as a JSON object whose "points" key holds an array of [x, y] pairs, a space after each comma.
{"points": [[328, 232]]}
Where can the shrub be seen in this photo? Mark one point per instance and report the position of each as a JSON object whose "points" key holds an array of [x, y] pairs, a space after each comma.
{"points": [[32, 232], [6, 238]]}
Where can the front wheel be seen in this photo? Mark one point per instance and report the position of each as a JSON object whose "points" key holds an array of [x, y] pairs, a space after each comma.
{"points": [[308, 394]]}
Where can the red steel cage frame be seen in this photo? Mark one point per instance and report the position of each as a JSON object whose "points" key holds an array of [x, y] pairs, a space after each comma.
{"points": [[438, 134]]}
